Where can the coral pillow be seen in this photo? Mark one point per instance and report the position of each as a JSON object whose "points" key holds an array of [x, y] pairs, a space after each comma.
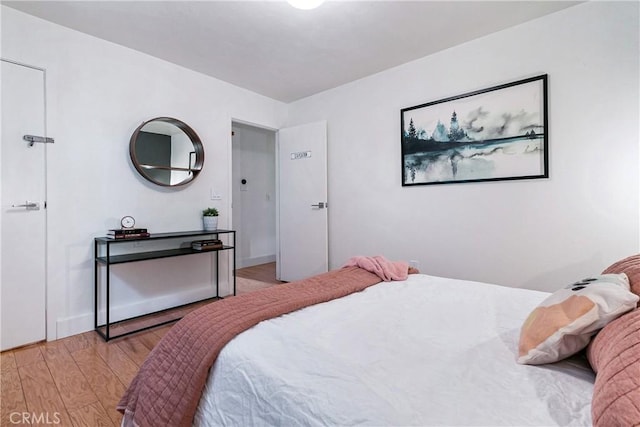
{"points": [[564, 323], [629, 266], [615, 355]]}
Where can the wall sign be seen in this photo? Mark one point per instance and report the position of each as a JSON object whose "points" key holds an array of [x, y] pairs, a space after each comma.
{"points": [[300, 155]]}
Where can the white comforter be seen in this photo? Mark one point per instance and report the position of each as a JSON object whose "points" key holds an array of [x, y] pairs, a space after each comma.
{"points": [[428, 351]]}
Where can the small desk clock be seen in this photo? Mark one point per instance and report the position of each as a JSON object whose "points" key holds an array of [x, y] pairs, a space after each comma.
{"points": [[127, 221]]}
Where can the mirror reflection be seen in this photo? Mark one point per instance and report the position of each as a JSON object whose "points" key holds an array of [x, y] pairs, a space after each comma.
{"points": [[166, 151]]}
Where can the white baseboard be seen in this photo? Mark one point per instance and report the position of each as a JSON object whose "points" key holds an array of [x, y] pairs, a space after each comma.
{"points": [[74, 325], [250, 262], [83, 323]]}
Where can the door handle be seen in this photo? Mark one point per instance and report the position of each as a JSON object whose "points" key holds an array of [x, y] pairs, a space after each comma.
{"points": [[32, 139], [30, 206], [320, 205]]}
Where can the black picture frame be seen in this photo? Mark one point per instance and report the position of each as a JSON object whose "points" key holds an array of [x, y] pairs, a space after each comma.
{"points": [[494, 134]]}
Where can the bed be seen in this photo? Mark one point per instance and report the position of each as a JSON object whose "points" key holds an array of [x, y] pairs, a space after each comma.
{"points": [[421, 351]]}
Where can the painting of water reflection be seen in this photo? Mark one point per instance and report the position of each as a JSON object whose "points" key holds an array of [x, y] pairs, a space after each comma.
{"points": [[499, 133]]}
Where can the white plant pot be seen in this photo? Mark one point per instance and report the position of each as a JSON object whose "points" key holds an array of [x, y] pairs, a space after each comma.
{"points": [[210, 223]]}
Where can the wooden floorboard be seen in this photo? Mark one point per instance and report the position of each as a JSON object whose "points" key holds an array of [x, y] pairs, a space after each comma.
{"points": [[117, 359], [262, 273], [41, 394], [74, 389], [91, 415], [28, 355], [7, 361], [105, 383], [13, 400], [78, 380], [136, 347]]}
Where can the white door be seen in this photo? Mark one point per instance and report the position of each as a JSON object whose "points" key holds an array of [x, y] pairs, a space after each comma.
{"points": [[23, 218], [302, 202]]}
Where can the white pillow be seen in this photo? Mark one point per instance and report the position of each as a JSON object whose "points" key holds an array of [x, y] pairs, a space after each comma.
{"points": [[564, 323]]}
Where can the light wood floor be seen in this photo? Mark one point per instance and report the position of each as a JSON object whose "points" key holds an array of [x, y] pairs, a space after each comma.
{"points": [[77, 381], [263, 273]]}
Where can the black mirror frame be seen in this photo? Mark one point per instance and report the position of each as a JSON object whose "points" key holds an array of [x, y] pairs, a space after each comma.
{"points": [[195, 140]]}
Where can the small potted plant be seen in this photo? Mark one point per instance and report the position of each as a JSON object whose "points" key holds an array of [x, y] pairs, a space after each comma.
{"points": [[210, 219]]}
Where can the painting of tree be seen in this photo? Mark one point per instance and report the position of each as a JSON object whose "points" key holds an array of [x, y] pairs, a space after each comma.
{"points": [[499, 133]]}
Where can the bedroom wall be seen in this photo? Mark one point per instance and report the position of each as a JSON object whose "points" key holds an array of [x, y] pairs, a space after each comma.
{"points": [[98, 93], [537, 234]]}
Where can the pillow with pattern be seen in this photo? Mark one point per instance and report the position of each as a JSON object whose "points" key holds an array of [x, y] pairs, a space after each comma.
{"points": [[564, 323]]}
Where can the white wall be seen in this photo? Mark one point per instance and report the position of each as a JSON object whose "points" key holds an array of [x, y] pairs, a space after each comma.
{"points": [[98, 93], [254, 204], [537, 234]]}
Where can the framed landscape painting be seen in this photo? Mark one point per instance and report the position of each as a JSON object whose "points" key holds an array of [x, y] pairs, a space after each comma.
{"points": [[499, 133]]}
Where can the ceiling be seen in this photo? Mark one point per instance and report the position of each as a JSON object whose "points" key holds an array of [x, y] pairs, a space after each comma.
{"points": [[281, 52]]}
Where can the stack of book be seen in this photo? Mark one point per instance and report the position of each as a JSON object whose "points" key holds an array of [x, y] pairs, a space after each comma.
{"points": [[128, 233], [206, 245]]}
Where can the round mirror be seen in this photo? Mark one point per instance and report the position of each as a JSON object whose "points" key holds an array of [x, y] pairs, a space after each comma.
{"points": [[166, 151]]}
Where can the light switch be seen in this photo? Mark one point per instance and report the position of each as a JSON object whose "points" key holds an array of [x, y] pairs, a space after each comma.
{"points": [[214, 195]]}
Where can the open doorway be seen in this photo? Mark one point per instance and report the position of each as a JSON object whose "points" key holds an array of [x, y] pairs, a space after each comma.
{"points": [[254, 195], [279, 198]]}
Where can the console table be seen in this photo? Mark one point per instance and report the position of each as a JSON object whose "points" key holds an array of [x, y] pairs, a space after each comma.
{"points": [[103, 257]]}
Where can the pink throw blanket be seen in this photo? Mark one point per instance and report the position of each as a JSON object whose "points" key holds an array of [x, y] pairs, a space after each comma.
{"points": [[380, 266], [167, 388]]}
